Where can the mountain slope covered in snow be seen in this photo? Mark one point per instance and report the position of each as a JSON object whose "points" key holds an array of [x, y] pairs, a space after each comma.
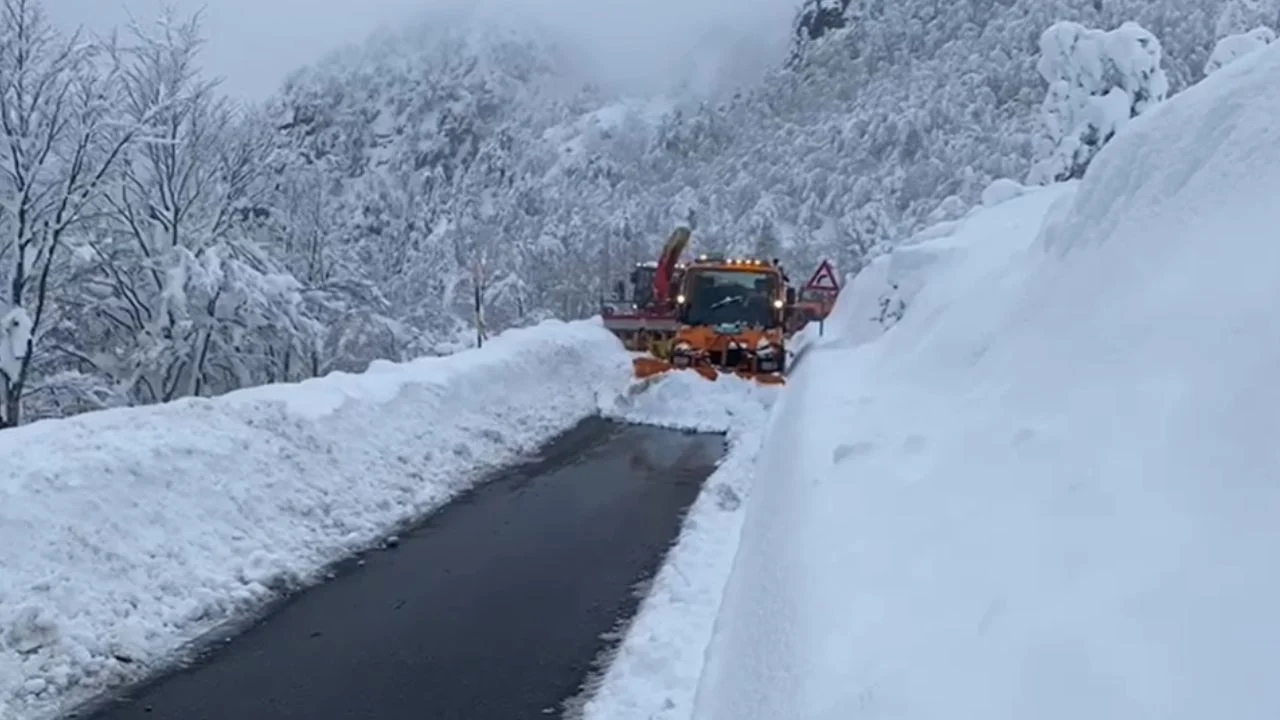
{"points": [[1048, 490], [898, 117], [419, 192]]}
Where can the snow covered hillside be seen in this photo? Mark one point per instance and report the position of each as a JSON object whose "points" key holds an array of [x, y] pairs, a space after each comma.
{"points": [[126, 533], [473, 169], [1050, 489]]}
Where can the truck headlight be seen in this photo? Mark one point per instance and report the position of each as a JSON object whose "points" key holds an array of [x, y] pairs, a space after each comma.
{"points": [[769, 358], [681, 354]]}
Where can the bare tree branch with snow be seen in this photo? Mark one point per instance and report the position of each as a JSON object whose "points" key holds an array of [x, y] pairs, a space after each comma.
{"points": [[59, 142]]}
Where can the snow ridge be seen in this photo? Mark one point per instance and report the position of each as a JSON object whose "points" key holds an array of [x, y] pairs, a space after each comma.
{"points": [[1049, 490]]}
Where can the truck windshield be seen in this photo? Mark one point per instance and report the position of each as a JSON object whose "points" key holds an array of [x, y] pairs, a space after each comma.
{"points": [[730, 297]]}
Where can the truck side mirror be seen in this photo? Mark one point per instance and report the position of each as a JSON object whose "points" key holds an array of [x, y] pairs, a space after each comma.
{"points": [[791, 296]]}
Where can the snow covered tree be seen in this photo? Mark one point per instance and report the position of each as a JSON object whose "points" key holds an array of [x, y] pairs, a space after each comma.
{"points": [[309, 232], [189, 305], [60, 140], [1238, 17], [1098, 81], [814, 20]]}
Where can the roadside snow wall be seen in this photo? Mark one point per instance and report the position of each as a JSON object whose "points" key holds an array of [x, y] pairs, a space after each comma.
{"points": [[126, 533], [1049, 491]]}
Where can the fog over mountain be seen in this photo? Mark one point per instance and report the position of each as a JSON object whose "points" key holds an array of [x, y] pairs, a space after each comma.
{"points": [[642, 45]]}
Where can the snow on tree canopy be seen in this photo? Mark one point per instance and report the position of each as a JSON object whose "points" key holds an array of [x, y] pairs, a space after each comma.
{"points": [[15, 334], [1233, 47], [1238, 17], [1098, 80], [818, 17]]}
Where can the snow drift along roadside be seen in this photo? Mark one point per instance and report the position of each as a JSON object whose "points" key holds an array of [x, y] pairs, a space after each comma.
{"points": [[653, 672], [1052, 494], [125, 533]]}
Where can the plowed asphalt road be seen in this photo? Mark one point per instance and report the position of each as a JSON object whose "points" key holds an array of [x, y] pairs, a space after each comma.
{"points": [[493, 609]]}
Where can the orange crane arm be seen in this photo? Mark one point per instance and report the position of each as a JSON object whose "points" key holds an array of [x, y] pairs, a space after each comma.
{"points": [[667, 264]]}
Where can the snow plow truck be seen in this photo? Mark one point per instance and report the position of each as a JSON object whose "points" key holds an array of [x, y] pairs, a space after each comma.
{"points": [[711, 315]]}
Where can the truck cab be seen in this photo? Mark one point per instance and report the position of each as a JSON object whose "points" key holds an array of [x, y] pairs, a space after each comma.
{"points": [[732, 293], [732, 314]]}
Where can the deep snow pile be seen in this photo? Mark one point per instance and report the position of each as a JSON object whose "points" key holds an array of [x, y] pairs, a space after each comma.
{"points": [[1050, 490], [684, 400], [653, 673], [126, 533], [1233, 47]]}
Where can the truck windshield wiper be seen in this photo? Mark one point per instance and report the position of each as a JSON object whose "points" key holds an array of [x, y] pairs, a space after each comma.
{"points": [[726, 301]]}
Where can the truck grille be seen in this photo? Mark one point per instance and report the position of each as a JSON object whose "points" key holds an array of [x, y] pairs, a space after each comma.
{"points": [[729, 358]]}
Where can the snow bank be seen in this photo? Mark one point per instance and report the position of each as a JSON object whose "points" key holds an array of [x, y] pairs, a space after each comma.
{"points": [[1050, 490], [653, 673], [126, 533], [684, 400], [1233, 47], [1002, 190], [984, 242]]}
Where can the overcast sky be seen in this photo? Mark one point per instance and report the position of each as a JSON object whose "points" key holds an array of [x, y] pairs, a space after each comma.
{"points": [[254, 44]]}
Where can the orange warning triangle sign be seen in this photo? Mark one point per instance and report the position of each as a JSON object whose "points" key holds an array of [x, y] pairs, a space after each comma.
{"points": [[824, 278]]}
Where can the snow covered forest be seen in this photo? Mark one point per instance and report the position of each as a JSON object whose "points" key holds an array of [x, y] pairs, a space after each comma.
{"points": [[439, 183]]}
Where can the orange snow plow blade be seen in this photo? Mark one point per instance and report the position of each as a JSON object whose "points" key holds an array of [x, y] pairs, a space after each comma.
{"points": [[646, 367], [650, 366], [706, 371]]}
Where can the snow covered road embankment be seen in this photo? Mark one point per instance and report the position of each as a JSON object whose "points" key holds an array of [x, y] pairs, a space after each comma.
{"points": [[126, 533], [1049, 491]]}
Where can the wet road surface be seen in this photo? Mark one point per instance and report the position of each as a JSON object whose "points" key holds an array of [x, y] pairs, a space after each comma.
{"points": [[491, 610]]}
